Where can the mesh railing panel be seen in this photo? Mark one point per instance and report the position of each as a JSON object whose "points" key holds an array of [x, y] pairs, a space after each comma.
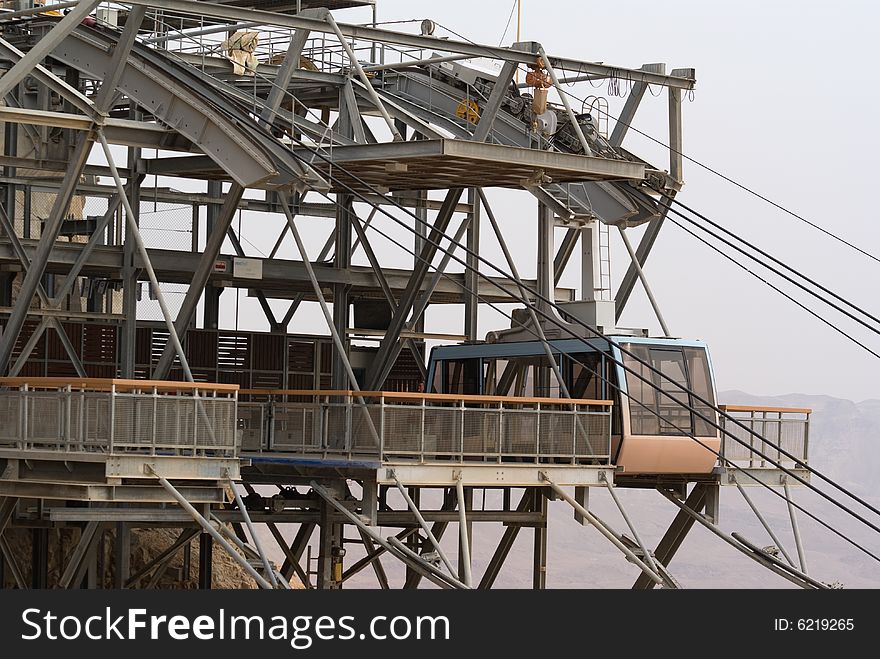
{"points": [[556, 436], [293, 428], [44, 419], [593, 437], [402, 429], [10, 412], [443, 427], [97, 421], [482, 429], [745, 449], [366, 428], [519, 434], [430, 432], [133, 423]]}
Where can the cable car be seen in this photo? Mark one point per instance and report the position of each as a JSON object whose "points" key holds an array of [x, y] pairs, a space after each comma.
{"points": [[650, 432]]}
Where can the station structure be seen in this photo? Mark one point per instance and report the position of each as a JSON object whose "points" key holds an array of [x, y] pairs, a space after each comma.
{"points": [[143, 142]]}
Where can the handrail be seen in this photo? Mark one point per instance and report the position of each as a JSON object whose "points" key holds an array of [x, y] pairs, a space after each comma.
{"points": [[106, 384], [416, 395], [764, 408]]}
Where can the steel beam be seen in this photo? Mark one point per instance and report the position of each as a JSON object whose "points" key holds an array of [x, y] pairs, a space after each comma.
{"points": [[384, 359], [373, 555], [392, 545], [186, 536], [606, 531], [291, 558], [642, 252], [365, 81], [675, 534], [764, 523], [505, 544], [795, 530], [493, 104], [539, 556], [48, 237], [297, 547], [635, 264], [563, 254], [77, 564], [441, 519], [735, 541], [208, 528], [367, 33], [633, 100], [12, 564], [7, 510], [376, 563], [44, 46]]}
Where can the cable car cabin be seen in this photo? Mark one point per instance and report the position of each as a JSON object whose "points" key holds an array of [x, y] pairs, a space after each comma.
{"points": [[650, 432]]}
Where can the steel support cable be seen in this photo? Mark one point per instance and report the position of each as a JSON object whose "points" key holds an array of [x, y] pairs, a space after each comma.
{"points": [[598, 334], [693, 394], [774, 287], [702, 165], [734, 182], [800, 285], [675, 426], [617, 345], [712, 422]]}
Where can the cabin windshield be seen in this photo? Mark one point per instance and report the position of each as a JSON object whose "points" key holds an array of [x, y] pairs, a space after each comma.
{"points": [[652, 412]]}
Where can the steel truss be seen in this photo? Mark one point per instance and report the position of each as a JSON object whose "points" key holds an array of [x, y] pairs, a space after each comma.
{"points": [[235, 135]]}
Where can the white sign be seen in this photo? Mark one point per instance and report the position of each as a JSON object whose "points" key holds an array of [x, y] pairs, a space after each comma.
{"points": [[247, 268]]}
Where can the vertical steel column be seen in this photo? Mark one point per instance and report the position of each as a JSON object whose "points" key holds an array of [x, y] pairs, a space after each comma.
{"points": [[413, 541], [675, 139], [545, 256], [802, 557], [206, 561], [328, 546], [465, 503], [341, 307], [122, 554], [539, 563], [128, 331], [471, 275], [545, 285], [211, 313], [40, 558], [10, 148]]}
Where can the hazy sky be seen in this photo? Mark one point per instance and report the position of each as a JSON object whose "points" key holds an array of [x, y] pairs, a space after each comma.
{"points": [[785, 103]]}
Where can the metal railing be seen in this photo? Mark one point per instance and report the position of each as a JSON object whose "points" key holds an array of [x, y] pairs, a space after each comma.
{"points": [[787, 428], [394, 426], [118, 416]]}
